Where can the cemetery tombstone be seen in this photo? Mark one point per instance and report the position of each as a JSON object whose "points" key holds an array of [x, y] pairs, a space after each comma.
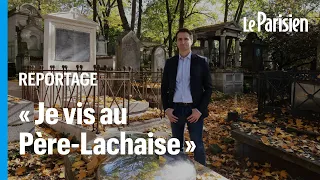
{"points": [[102, 46], [70, 39], [128, 51], [252, 53], [158, 58]]}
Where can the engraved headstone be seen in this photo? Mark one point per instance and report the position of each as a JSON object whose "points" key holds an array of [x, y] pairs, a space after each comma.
{"points": [[69, 39], [128, 51], [158, 58], [72, 46]]}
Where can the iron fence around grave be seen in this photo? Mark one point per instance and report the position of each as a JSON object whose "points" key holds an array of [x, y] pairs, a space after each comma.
{"points": [[115, 88], [297, 92], [146, 85]]}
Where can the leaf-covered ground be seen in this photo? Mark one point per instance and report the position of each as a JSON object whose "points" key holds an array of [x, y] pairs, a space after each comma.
{"points": [[270, 129], [281, 132], [33, 166]]}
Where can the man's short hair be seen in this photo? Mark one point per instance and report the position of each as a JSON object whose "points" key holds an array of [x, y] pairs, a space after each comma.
{"points": [[184, 30]]}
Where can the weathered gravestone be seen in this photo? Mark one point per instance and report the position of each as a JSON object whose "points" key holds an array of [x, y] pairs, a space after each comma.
{"points": [[252, 52], [128, 51], [70, 40], [158, 58], [143, 167], [15, 124], [178, 167], [102, 46]]}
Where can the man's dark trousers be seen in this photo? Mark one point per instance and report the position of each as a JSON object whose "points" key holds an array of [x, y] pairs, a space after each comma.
{"points": [[195, 131]]}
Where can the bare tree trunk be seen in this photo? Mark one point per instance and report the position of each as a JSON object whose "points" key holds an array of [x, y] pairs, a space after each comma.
{"points": [[133, 14], [170, 18], [238, 15], [94, 7], [110, 5], [106, 29], [226, 7], [181, 19], [169, 28], [124, 20], [139, 19]]}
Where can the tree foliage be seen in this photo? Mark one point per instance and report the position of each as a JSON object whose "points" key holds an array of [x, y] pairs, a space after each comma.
{"points": [[155, 26], [291, 49], [49, 6]]}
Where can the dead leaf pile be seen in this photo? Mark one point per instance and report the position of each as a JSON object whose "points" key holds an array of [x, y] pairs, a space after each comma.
{"points": [[220, 146], [302, 146], [33, 166]]}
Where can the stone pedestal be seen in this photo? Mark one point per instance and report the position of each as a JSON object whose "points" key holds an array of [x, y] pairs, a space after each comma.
{"points": [[228, 82]]}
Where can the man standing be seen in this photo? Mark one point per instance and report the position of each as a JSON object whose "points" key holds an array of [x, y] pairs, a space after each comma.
{"points": [[186, 92]]}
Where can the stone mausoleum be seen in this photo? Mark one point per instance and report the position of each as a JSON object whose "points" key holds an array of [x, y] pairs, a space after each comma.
{"points": [[25, 36]]}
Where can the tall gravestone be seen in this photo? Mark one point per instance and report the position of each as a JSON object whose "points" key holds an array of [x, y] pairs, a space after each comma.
{"points": [[128, 51], [70, 39], [252, 53], [158, 58], [102, 46]]}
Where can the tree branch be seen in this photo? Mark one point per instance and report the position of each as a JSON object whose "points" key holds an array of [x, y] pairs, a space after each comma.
{"points": [[196, 12], [175, 12], [162, 25], [101, 26], [101, 3], [194, 5], [112, 5], [90, 4], [176, 9]]}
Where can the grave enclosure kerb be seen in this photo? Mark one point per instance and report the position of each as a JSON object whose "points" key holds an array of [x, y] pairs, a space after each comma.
{"points": [[115, 89]]}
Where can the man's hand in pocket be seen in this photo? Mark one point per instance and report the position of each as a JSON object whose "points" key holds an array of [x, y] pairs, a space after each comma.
{"points": [[172, 118]]}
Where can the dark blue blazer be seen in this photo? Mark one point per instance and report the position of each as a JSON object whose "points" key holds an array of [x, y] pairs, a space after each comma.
{"points": [[200, 83]]}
